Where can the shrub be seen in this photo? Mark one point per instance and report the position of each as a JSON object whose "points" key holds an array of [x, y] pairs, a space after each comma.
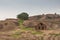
{"points": [[23, 16]]}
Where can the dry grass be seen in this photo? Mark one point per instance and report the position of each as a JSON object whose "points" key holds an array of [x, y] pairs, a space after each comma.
{"points": [[23, 33]]}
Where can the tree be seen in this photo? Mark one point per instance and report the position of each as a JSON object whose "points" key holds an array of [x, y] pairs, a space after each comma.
{"points": [[23, 16], [55, 14]]}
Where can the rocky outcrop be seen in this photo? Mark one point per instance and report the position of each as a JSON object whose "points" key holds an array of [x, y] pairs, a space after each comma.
{"points": [[8, 24]]}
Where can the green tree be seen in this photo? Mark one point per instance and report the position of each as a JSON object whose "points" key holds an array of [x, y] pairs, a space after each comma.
{"points": [[23, 16], [55, 14]]}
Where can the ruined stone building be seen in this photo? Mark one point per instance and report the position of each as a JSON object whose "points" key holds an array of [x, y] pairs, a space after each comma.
{"points": [[43, 22]]}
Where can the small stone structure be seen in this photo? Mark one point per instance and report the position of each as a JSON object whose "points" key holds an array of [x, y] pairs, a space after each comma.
{"points": [[36, 24], [8, 24]]}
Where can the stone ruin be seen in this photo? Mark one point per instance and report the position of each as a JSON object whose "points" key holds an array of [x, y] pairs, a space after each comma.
{"points": [[8, 24], [43, 22], [39, 22]]}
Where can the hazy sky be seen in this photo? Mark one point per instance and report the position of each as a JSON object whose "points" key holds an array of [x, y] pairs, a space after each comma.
{"points": [[10, 8]]}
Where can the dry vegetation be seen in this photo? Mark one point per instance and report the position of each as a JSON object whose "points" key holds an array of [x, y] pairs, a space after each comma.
{"points": [[23, 33], [29, 34]]}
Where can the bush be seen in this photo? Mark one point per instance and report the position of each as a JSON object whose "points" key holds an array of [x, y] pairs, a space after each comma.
{"points": [[23, 16]]}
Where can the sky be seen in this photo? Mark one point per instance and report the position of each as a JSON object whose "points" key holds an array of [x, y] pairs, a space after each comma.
{"points": [[11, 8]]}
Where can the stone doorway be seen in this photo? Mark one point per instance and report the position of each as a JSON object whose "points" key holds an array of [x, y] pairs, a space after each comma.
{"points": [[41, 26]]}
